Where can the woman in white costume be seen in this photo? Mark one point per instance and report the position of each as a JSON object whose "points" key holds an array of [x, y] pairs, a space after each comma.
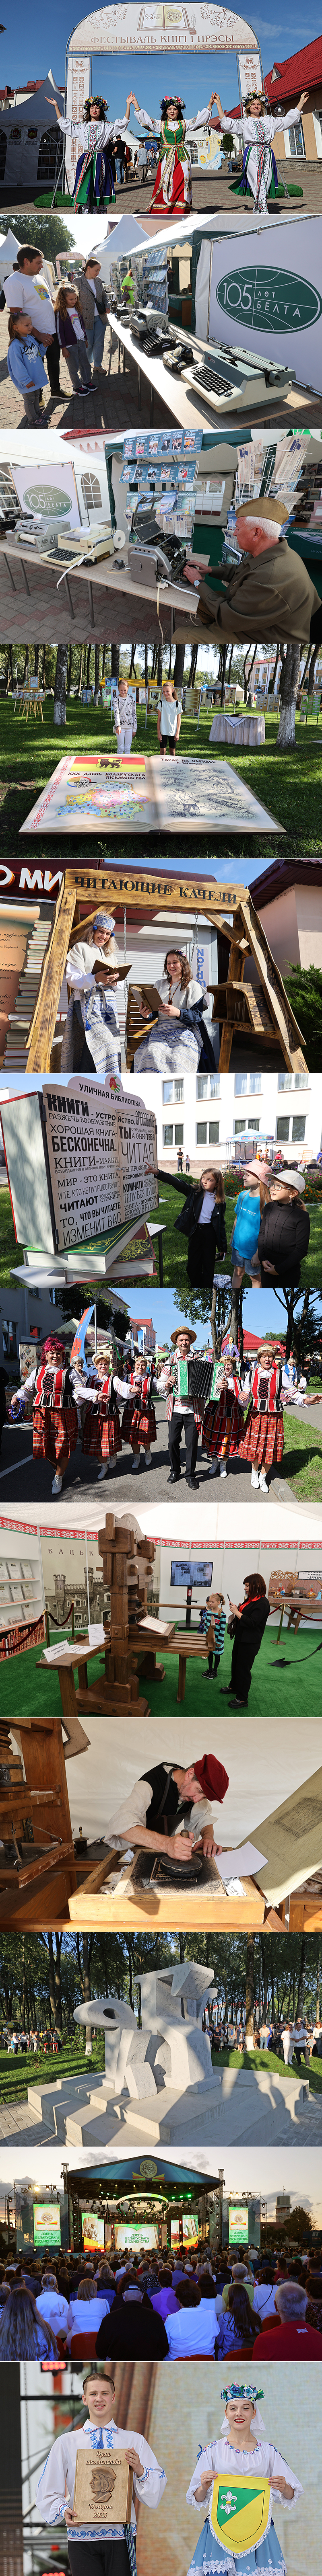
{"points": [[242, 2447], [101, 2550], [258, 129]]}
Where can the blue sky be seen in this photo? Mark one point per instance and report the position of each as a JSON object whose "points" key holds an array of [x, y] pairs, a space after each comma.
{"points": [[260, 1312], [30, 39]]}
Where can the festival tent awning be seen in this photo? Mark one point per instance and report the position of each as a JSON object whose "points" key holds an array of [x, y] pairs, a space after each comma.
{"points": [[38, 109], [126, 237], [9, 246]]}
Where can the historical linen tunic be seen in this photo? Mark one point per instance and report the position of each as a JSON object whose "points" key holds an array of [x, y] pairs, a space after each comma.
{"points": [[259, 165], [173, 181], [265, 2462], [60, 2470]]}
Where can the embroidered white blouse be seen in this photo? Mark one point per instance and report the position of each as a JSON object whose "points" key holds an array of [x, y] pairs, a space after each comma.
{"points": [[57, 2479]]}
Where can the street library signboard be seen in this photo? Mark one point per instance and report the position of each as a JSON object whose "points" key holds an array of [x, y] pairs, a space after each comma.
{"points": [[78, 1162]]}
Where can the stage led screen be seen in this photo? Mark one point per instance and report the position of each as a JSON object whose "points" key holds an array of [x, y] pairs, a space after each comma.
{"points": [[92, 2232], [46, 2223], [238, 2225]]}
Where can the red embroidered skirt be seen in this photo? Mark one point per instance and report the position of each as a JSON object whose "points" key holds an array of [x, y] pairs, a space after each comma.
{"points": [[262, 1441], [54, 1434], [158, 202], [101, 1434], [222, 1427], [138, 1426]]}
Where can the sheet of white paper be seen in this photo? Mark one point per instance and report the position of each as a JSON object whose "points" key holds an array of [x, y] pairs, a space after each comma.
{"points": [[246, 1860], [51, 1654], [96, 1633]]}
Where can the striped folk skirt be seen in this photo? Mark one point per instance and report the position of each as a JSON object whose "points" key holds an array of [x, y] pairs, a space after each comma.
{"points": [[101, 1433], [138, 1426], [262, 1440], [222, 1427], [55, 1434]]}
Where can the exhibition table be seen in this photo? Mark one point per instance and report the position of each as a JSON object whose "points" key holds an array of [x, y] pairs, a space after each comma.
{"points": [[238, 730]]}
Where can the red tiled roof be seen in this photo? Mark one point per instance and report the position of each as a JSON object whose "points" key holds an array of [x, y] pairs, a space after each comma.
{"points": [[299, 71]]}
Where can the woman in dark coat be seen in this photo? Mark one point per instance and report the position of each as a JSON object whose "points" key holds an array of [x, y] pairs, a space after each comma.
{"points": [[246, 1625], [202, 1219], [284, 1232]]}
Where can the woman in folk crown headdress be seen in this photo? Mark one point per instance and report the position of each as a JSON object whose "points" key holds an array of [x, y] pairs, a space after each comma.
{"points": [[173, 182], [55, 1425], [241, 2453], [262, 1440], [94, 181], [258, 128]]}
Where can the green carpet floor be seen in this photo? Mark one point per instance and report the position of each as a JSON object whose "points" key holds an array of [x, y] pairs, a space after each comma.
{"points": [[276, 1689]]}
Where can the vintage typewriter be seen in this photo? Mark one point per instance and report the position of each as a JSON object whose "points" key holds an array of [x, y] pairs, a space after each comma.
{"points": [[231, 377], [199, 1378]]}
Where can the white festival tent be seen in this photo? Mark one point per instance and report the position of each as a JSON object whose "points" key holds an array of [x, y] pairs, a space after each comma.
{"points": [[25, 126]]}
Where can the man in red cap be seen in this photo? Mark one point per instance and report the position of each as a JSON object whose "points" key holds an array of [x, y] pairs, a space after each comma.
{"points": [[169, 1810]]}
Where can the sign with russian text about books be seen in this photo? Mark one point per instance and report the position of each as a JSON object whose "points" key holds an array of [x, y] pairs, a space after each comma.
{"points": [[102, 792], [103, 2487], [79, 1163], [240, 2512]]}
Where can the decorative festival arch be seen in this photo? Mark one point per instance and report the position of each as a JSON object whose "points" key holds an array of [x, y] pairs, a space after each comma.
{"points": [[162, 26]]}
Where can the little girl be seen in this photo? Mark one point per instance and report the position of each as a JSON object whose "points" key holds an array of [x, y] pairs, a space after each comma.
{"points": [[124, 711], [248, 1212], [71, 336], [25, 364]]}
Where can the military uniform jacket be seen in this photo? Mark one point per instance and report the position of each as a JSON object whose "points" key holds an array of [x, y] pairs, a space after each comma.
{"points": [[272, 598]]}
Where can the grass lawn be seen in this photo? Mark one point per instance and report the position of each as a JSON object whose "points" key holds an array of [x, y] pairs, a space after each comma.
{"points": [[269, 2065], [276, 1681], [289, 785], [17, 2072]]}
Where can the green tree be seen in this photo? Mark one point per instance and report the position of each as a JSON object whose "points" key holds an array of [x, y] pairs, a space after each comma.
{"points": [[303, 985], [47, 231]]}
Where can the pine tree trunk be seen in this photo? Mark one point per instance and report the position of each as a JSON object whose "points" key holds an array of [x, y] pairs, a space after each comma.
{"points": [[250, 1989], [60, 686], [69, 671], [36, 661], [301, 1983], [159, 666], [97, 676], [115, 661], [104, 661], [88, 666], [288, 695], [193, 665], [146, 672], [44, 667], [80, 675], [132, 670], [179, 666]]}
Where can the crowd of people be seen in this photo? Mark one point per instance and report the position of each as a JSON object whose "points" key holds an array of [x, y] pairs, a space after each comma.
{"points": [[91, 1401], [196, 2303], [46, 322]]}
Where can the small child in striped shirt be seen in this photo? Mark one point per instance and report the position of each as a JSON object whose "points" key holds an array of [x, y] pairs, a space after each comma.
{"points": [[214, 1621]]}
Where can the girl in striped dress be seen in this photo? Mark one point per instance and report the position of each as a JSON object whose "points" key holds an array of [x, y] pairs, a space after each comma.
{"points": [[224, 1422], [102, 1430], [214, 1625], [262, 1441]]}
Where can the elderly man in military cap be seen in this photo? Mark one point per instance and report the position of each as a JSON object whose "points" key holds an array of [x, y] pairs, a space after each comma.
{"points": [[270, 597]]}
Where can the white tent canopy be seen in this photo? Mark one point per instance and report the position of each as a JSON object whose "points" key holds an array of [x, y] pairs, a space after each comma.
{"points": [[126, 236], [9, 247], [35, 109]]}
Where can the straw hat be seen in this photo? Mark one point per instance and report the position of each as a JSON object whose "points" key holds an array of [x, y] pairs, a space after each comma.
{"points": [[182, 1328]]}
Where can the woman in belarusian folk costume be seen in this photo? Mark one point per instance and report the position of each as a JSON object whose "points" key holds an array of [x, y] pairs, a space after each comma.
{"points": [[138, 1420], [94, 182], [102, 1430], [173, 182], [224, 1422], [242, 2452], [258, 128], [262, 1441], [114, 2542], [55, 1424]]}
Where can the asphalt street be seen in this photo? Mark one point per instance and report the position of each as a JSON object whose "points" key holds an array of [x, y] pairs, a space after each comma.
{"points": [[24, 1480]]}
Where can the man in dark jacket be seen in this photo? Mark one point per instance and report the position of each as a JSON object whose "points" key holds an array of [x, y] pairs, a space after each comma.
{"points": [[284, 1232], [134, 2331], [93, 305], [202, 1219], [246, 1624]]}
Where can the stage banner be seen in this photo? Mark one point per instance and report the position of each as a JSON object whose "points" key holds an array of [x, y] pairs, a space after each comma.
{"points": [[269, 295]]}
